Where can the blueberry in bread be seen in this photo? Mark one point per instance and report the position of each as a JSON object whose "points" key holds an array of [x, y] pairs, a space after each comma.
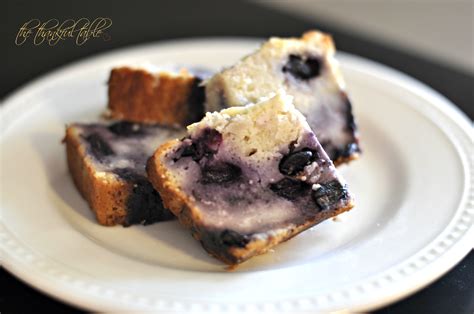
{"points": [[247, 178], [107, 164], [141, 94], [306, 69]]}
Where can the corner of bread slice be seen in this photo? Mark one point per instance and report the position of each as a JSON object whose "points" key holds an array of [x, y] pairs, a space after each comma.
{"points": [[224, 182]]}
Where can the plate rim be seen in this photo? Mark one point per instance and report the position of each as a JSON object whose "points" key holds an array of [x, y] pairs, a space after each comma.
{"points": [[14, 262]]}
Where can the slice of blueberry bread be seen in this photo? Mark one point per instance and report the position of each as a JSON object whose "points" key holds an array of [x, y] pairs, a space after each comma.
{"points": [[145, 95], [107, 164], [248, 178], [306, 69]]}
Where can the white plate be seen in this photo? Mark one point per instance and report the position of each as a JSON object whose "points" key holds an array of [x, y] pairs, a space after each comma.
{"points": [[413, 219]]}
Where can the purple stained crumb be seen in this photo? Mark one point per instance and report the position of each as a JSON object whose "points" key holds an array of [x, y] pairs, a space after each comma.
{"points": [[342, 123], [124, 144], [122, 148], [341, 141], [231, 188]]}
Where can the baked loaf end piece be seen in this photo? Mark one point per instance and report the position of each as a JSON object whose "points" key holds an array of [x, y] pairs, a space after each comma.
{"points": [[248, 178], [167, 98], [107, 164], [306, 69]]}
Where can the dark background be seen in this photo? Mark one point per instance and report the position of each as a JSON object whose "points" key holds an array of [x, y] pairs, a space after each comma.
{"points": [[147, 21]]}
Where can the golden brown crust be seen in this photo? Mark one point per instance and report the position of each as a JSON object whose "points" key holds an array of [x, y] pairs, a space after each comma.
{"points": [[140, 96], [105, 194], [323, 39], [345, 160], [183, 207]]}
